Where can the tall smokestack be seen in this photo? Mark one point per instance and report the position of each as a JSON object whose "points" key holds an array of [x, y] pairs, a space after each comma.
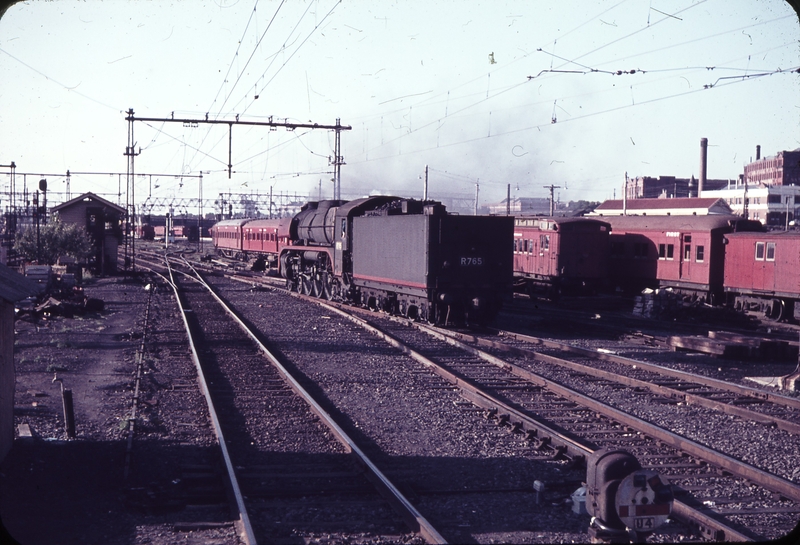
{"points": [[758, 152], [703, 165]]}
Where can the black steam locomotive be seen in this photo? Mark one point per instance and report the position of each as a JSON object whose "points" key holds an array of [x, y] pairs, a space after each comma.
{"points": [[402, 256]]}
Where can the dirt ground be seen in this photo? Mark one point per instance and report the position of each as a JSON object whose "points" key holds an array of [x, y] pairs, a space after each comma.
{"points": [[57, 490]]}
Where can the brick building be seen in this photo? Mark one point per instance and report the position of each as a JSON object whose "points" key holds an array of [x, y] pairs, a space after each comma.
{"points": [[781, 169], [669, 187]]}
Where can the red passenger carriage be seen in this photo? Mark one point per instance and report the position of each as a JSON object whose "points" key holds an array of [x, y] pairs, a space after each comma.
{"points": [[763, 272], [682, 252], [265, 238], [555, 255], [227, 237]]}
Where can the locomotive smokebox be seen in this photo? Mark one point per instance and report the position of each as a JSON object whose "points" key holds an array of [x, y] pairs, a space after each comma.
{"points": [[314, 223]]}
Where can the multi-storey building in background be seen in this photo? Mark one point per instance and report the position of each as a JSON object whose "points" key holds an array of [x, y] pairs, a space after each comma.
{"points": [[781, 169], [668, 187], [768, 190]]}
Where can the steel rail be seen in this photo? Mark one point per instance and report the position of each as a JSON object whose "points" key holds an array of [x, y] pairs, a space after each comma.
{"points": [[689, 398], [768, 480], [244, 519], [415, 520], [548, 437], [139, 360], [674, 373], [562, 442]]}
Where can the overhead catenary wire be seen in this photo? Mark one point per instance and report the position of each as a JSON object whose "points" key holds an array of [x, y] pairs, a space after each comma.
{"points": [[296, 49]]}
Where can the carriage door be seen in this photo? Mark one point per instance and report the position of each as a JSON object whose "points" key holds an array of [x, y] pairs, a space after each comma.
{"points": [[686, 257]]}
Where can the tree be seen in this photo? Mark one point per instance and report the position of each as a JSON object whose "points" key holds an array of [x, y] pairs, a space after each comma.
{"points": [[54, 239]]}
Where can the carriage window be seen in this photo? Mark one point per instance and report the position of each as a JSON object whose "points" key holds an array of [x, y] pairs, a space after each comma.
{"points": [[524, 245], [544, 242], [662, 251], [687, 252], [670, 250], [700, 254], [770, 251], [759, 251]]}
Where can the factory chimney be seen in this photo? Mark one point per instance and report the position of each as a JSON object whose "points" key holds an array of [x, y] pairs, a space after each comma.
{"points": [[758, 152], [703, 165]]}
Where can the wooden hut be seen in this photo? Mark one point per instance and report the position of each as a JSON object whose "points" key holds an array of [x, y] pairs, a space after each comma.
{"points": [[102, 220], [13, 287]]}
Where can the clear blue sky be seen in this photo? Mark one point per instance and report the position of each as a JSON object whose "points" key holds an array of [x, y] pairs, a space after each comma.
{"points": [[573, 93]]}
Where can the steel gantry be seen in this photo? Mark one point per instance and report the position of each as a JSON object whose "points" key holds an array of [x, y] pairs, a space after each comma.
{"points": [[337, 160]]}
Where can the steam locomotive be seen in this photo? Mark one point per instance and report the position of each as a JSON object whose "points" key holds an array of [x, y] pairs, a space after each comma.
{"points": [[403, 256]]}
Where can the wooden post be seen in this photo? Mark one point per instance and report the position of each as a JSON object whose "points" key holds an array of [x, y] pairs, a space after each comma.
{"points": [[69, 413]]}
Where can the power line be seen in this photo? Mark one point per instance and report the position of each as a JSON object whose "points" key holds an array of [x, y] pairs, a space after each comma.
{"points": [[740, 79], [66, 87], [274, 56]]}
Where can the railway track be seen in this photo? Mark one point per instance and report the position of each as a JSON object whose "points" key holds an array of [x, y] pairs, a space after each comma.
{"points": [[711, 500], [674, 386], [567, 423], [292, 471]]}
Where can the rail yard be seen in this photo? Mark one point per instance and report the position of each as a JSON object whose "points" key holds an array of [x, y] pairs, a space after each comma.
{"points": [[293, 419]]}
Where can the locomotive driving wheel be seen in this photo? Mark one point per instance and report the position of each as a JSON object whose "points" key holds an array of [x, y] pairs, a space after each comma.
{"points": [[317, 284], [327, 285], [304, 284]]}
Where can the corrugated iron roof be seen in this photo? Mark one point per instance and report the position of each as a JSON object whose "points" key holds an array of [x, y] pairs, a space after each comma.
{"points": [[91, 197], [14, 286]]}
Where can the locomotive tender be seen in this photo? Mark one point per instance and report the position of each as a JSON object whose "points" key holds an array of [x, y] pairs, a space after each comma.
{"points": [[399, 255]]}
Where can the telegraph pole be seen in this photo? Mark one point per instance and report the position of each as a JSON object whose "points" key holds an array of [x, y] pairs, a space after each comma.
{"points": [[552, 189], [11, 216], [338, 160], [130, 206]]}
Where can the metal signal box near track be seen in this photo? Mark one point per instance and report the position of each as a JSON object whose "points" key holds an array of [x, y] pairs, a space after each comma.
{"points": [[623, 499]]}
